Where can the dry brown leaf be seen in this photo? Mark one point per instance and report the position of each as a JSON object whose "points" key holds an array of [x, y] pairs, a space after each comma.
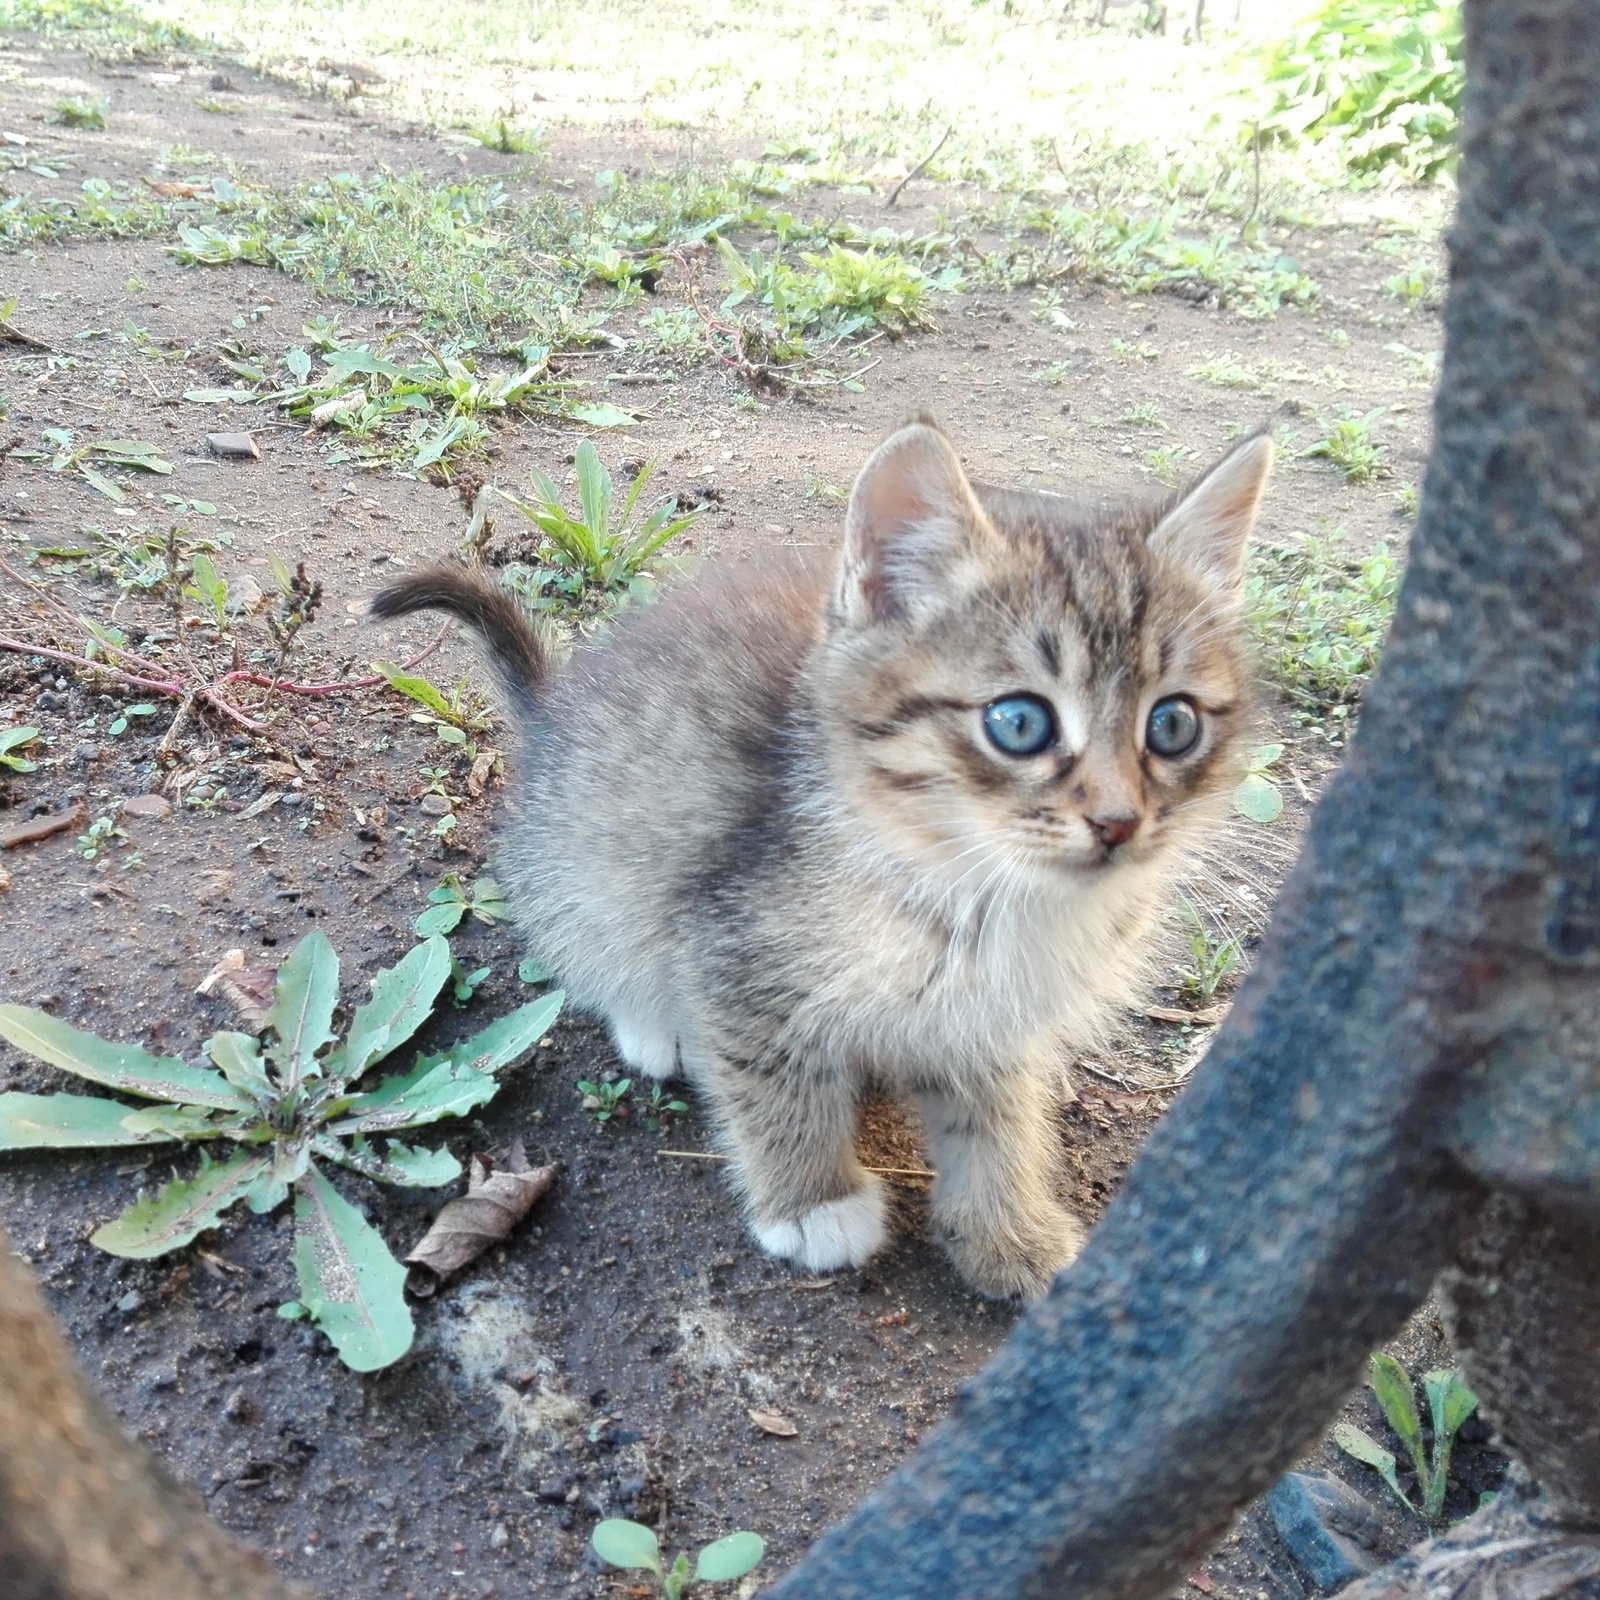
{"points": [[174, 191], [482, 768], [779, 1426], [495, 1202], [248, 990]]}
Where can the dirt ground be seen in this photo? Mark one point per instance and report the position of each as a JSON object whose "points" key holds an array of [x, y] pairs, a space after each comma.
{"points": [[604, 1362]]}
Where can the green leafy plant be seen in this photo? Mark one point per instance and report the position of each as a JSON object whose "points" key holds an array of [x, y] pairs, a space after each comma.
{"points": [[1257, 795], [285, 1101], [464, 984], [1319, 617], [1450, 1403], [119, 725], [1213, 961], [207, 587], [1383, 76], [452, 717], [507, 139], [450, 902], [12, 739], [601, 548], [604, 1100], [632, 1545], [87, 460], [75, 112], [660, 1105], [98, 838], [1351, 446]]}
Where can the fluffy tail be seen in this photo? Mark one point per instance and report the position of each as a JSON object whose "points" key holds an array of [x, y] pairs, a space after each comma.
{"points": [[518, 648]]}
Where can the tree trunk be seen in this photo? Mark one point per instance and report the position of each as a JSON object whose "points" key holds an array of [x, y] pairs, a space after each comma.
{"points": [[1423, 1026], [84, 1514]]}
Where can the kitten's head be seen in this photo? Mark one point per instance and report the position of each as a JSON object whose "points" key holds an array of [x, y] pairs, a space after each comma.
{"points": [[1009, 680]]}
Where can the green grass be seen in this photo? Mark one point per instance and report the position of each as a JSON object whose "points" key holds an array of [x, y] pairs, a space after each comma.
{"points": [[1319, 615]]}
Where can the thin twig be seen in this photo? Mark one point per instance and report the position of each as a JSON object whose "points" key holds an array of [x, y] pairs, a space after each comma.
{"points": [[894, 193], [265, 682], [887, 1172]]}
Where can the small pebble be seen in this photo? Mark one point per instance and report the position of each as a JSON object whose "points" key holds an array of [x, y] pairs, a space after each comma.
{"points": [[147, 805], [435, 805], [292, 798], [500, 1538], [129, 1302], [86, 752]]}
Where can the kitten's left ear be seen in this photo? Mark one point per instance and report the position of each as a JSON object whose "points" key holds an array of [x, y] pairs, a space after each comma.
{"points": [[1208, 527]]}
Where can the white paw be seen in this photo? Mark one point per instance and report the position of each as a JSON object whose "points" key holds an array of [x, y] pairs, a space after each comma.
{"points": [[645, 1049], [838, 1233]]}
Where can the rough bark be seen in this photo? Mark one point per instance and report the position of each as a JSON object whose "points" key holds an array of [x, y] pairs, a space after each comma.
{"points": [[1420, 1027], [84, 1514]]}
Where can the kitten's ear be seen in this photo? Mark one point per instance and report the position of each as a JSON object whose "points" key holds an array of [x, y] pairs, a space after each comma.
{"points": [[1208, 527], [912, 525]]}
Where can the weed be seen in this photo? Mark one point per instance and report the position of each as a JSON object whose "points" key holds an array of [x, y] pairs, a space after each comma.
{"points": [[507, 138], [1351, 446], [1450, 1403], [659, 1106], [1407, 500], [1166, 461], [1214, 961], [604, 1100], [1257, 795], [1055, 374], [464, 984], [99, 837], [119, 725], [1384, 78], [74, 112], [602, 549], [13, 739], [1416, 286], [815, 488], [1144, 415], [450, 902], [295, 605], [1134, 352], [1319, 618], [531, 971], [673, 333], [453, 719], [621, 1543], [88, 460], [1226, 373], [282, 1103]]}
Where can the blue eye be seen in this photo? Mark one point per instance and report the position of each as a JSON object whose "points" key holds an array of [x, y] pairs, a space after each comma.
{"points": [[1020, 725], [1173, 728]]}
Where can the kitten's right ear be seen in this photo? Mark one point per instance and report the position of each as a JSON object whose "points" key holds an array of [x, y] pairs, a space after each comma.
{"points": [[1207, 528], [912, 526]]}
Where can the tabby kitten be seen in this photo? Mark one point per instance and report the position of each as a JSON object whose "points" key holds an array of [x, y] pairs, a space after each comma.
{"points": [[898, 812]]}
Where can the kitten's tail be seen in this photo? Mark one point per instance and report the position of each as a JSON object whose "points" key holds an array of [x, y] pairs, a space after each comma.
{"points": [[515, 643]]}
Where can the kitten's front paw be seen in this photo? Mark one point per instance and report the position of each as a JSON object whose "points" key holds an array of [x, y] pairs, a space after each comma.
{"points": [[838, 1233], [1019, 1262]]}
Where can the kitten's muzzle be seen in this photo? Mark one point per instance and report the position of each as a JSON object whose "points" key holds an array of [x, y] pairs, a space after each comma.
{"points": [[1113, 831]]}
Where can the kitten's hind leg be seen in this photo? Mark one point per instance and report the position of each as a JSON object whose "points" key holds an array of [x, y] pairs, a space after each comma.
{"points": [[807, 1197], [994, 1207], [646, 1047]]}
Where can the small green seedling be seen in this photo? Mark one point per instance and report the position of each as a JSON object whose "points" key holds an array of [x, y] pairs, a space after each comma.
{"points": [[14, 739], [659, 1106], [631, 1544], [1349, 444], [464, 984], [120, 725], [1450, 1403], [1258, 796], [531, 971], [600, 549], [449, 903], [285, 1101], [605, 1099], [1214, 960], [101, 833]]}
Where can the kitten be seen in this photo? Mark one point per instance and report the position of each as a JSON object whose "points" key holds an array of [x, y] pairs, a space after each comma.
{"points": [[899, 812]]}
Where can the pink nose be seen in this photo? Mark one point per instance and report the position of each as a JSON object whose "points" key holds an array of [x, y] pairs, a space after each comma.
{"points": [[1112, 831]]}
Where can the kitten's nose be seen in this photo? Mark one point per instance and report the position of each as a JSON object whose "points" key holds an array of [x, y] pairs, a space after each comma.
{"points": [[1112, 831]]}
